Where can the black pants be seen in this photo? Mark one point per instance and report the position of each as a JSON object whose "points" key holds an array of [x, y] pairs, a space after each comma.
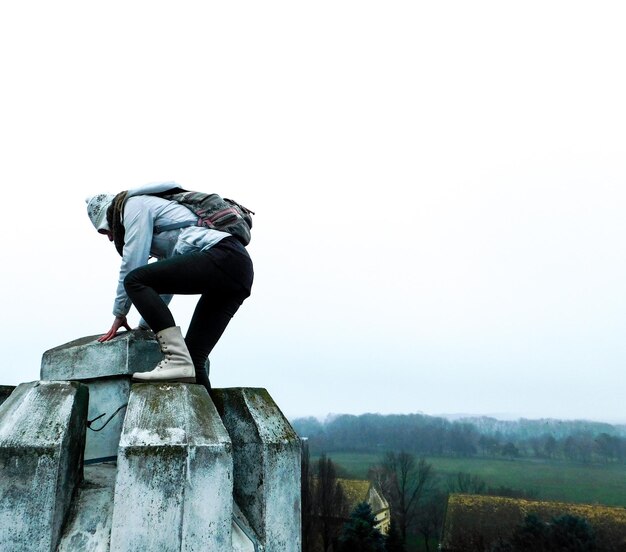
{"points": [[222, 275]]}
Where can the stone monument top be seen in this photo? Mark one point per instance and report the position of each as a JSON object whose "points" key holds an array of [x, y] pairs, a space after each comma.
{"points": [[117, 466]]}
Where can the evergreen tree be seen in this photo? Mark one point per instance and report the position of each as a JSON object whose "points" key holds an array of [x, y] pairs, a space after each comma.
{"points": [[565, 533], [531, 536], [359, 534], [572, 534]]}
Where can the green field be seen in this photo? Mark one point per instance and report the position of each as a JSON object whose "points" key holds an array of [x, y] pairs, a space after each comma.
{"points": [[551, 480]]}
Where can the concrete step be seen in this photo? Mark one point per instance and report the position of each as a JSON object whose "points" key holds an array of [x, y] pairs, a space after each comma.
{"points": [[86, 358], [106, 369]]}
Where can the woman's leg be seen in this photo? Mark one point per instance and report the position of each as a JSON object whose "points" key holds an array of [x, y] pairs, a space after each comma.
{"points": [[213, 313], [222, 275]]}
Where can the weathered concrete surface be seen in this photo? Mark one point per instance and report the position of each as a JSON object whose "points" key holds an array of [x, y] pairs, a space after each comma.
{"points": [[244, 537], [88, 527], [104, 368], [5, 391], [42, 437], [174, 477], [241, 541], [86, 358], [266, 454], [106, 396]]}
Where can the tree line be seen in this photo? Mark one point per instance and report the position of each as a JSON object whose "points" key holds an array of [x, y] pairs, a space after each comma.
{"points": [[435, 436]]}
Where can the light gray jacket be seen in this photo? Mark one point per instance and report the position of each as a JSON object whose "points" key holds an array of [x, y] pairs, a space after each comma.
{"points": [[141, 214]]}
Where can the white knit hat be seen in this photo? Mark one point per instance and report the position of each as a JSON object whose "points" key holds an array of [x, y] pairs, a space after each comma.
{"points": [[97, 210]]}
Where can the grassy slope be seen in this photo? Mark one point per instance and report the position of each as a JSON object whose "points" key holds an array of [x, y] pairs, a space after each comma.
{"points": [[566, 481]]}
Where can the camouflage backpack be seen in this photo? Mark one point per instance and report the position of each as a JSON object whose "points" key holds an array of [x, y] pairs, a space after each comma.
{"points": [[213, 211]]}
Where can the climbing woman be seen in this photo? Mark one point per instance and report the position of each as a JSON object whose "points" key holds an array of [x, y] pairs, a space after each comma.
{"points": [[192, 260]]}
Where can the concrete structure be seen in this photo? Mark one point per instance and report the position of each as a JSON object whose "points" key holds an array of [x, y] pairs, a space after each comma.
{"points": [[88, 525], [42, 437], [267, 456], [86, 358], [104, 368], [107, 404], [168, 470], [174, 473], [243, 536]]}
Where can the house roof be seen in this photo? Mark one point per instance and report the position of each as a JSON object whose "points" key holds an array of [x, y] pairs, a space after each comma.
{"points": [[496, 517], [361, 490]]}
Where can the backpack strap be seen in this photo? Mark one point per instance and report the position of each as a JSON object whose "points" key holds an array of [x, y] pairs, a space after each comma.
{"points": [[174, 226]]}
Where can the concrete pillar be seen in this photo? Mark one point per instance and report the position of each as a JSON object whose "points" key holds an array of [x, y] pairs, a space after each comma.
{"points": [[266, 454], [173, 489], [105, 368], [42, 436]]}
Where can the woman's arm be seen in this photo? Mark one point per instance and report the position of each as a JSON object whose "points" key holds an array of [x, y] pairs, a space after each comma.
{"points": [[138, 224]]}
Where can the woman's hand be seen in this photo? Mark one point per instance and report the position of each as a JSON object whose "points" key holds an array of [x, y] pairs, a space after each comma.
{"points": [[120, 321]]}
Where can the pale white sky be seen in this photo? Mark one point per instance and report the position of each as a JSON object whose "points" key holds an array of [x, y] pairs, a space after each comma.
{"points": [[439, 187]]}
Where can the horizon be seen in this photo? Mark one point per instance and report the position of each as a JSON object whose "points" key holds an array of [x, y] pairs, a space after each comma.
{"points": [[499, 417]]}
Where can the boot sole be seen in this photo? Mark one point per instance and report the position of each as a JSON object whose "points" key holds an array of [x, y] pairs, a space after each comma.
{"points": [[166, 380]]}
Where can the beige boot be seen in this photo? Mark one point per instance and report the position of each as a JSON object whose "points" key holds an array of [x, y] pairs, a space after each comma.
{"points": [[177, 364]]}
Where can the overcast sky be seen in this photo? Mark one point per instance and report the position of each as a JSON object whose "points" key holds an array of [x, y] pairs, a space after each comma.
{"points": [[439, 188]]}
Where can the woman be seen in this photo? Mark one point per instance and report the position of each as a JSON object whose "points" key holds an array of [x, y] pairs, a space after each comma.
{"points": [[191, 260]]}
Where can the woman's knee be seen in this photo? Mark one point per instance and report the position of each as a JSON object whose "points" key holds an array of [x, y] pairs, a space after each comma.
{"points": [[132, 279]]}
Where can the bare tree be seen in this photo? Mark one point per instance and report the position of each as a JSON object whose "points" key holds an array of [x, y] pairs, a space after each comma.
{"points": [[331, 506], [404, 481], [466, 483], [430, 520]]}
